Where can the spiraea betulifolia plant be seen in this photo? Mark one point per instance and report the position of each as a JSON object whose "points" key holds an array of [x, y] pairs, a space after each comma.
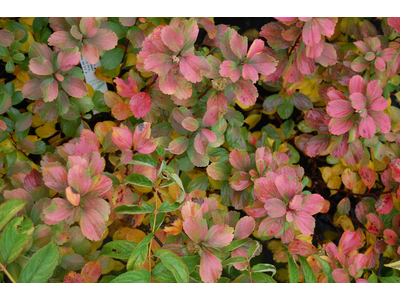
{"points": [[183, 150]]}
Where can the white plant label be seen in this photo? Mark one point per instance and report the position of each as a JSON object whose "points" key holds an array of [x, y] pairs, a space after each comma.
{"points": [[88, 70]]}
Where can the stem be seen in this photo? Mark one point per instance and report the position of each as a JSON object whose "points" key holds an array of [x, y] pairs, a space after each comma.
{"points": [[123, 57], [153, 81], [380, 264], [205, 92], [3, 268]]}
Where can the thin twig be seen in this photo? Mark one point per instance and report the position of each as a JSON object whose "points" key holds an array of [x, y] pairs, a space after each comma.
{"points": [[3, 269]]}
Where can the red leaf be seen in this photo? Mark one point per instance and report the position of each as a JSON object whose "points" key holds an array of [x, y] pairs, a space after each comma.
{"points": [[368, 176], [140, 104], [91, 271]]}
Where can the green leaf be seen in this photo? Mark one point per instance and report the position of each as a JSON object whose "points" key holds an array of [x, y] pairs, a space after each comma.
{"points": [[98, 101], [112, 58], [161, 273], [83, 105], [24, 121], [174, 264], [39, 23], [69, 128], [326, 267], [199, 183], [264, 268], [138, 276], [138, 179], [118, 249], [17, 98], [10, 65], [191, 262], [159, 219], [167, 207], [15, 236], [389, 279], [140, 159], [139, 255], [9, 209], [233, 260], [285, 110], [4, 51], [293, 269], [234, 245], [287, 128], [373, 278], [131, 209], [271, 131], [41, 265], [261, 277], [308, 272]]}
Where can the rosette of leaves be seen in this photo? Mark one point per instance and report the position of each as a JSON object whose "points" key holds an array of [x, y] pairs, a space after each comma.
{"points": [[84, 33], [10, 43], [52, 73]]}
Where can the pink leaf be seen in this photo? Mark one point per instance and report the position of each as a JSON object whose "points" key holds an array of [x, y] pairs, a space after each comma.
{"points": [[88, 143], [304, 222], [178, 145], [219, 235], [287, 186], [200, 143], [340, 275], [140, 104], [40, 66], [256, 47], [317, 145], [196, 229], [339, 108], [122, 137], [238, 44], [328, 56], [210, 267], [59, 210], [67, 59], [367, 127], [240, 181], [62, 39], [142, 132], [312, 204], [55, 177], [395, 23], [390, 237], [90, 53], [159, 63], [368, 176], [168, 83], [244, 227], [31, 89], [229, 69], [239, 252], [374, 224], [384, 204], [79, 179], [89, 26], [359, 64], [340, 126], [245, 92], [263, 63], [100, 185], [126, 90], [104, 39], [6, 38], [74, 86], [275, 208], [147, 146], [271, 226], [382, 120], [239, 159], [172, 37], [248, 72], [190, 123], [349, 242], [311, 32], [92, 224], [49, 88], [91, 271], [265, 189]]}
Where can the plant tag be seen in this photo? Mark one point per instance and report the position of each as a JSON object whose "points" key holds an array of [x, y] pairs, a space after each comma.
{"points": [[88, 70]]}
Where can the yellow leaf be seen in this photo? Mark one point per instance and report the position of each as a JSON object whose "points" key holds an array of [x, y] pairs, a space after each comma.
{"points": [[46, 131], [65, 251], [346, 223], [360, 187], [118, 265], [135, 235], [252, 120], [326, 172], [110, 267], [37, 121], [130, 60]]}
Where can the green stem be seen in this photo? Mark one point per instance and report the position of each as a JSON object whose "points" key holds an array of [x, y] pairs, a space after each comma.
{"points": [[3, 268]]}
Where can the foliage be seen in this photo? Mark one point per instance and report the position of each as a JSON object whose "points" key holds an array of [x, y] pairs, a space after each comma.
{"points": [[199, 149]]}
